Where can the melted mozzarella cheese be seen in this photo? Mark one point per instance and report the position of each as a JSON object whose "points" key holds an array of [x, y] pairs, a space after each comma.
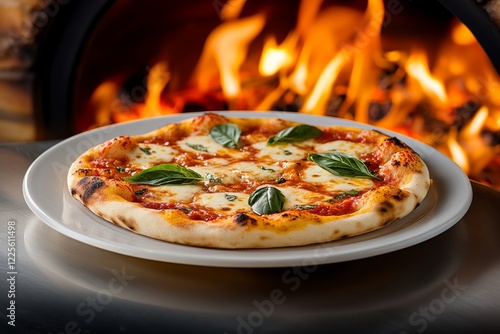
{"points": [[255, 171], [317, 175], [208, 143], [282, 152], [227, 203], [174, 193], [296, 197], [216, 162], [216, 174], [158, 154], [345, 146]]}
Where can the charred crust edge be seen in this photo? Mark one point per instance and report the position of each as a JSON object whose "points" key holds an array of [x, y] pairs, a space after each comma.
{"points": [[397, 142], [243, 219], [385, 206], [88, 186]]}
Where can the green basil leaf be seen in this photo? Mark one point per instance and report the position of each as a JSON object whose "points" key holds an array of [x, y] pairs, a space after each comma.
{"points": [[343, 195], [266, 200], [267, 169], [165, 174], [306, 206], [295, 133], [230, 197], [228, 135], [280, 180], [198, 147], [146, 150], [213, 179], [141, 191], [341, 164]]}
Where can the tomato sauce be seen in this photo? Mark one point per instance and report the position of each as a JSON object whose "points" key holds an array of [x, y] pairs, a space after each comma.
{"points": [[332, 135], [113, 168], [202, 215], [343, 208], [193, 213], [107, 163], [158, 206]]}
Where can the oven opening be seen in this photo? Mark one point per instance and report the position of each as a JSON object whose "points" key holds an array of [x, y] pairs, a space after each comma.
{"points": [[410, 67]]}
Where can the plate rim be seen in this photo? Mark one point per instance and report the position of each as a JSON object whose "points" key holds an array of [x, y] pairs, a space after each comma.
{"points": [[288, 256]]}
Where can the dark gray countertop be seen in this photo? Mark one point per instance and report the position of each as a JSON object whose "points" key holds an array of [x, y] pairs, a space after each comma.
{"points": [[449, 284]]}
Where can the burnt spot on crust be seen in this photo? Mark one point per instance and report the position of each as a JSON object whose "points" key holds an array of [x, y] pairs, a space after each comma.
{"points": [[399, 196], [396, 142], [385, 206], [88, 186], [243, 219], [334, 234], [85, 172]]}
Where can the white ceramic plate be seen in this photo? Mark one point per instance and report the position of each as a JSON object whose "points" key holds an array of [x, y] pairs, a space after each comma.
{"points": [[46, 193]]}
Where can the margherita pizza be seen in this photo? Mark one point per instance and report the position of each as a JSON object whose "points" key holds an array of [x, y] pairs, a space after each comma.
{"points": [[227, 182]]}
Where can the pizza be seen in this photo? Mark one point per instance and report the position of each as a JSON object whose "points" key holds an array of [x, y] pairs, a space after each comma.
{"points": [[238, 183]]}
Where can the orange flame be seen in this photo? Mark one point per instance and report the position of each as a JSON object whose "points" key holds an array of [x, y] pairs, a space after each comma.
{"points": [[476, 125], [472, 143], [102, 100], [225, 50], [461, 35], [457, 152], [274, 57], [316, 100], [417, 66], [157, 80]]}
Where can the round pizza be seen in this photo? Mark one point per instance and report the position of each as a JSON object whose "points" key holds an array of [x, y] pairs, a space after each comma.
{"points": [[237, 183]]}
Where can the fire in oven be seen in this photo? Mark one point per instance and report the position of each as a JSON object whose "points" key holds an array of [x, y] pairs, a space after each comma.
{"points": [[423, 69]]}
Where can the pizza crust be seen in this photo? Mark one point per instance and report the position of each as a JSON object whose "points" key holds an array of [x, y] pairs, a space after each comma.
{"points": [[406, 175]]}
